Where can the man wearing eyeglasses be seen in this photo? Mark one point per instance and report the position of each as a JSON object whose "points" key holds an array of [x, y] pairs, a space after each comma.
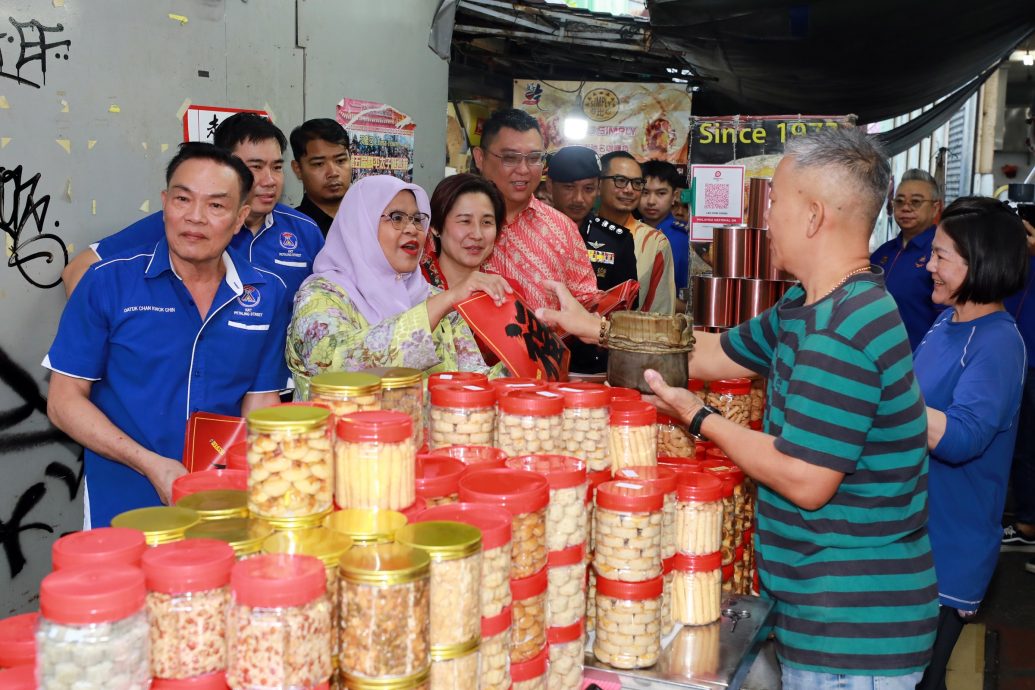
{"points": [[621, 186], [917, 205], [537, 243]]}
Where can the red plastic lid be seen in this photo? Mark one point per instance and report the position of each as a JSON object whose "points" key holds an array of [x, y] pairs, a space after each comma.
{"points": [[465, 395], [18, 640], [584, 394], [630, 495], [528, 587], [498, 623], [411, 513], [695, 385], [670, 421], [101, 546], [755, 425], [619, 393], [717, 454], [378, 426], [730, 475], [731, 386], [450, 377], [567, 633], [633, 413], [698, 487], [702, 447], [494, 522], [667, 565], [518, 491], [192, 565], [236, 457], [693, 564], [437, 475], [273, 580], [211, 681], [95, 594], [561, 471], [632, 591], [533, 668], [18, 678], [573, 555], [663, 477], [679, 465], [536, 403], [598, 477], [209, 480], [474, 455], [507, 384]]}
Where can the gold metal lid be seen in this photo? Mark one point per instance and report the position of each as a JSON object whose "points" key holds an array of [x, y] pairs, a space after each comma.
{"points": [[442, 539], [338, 382], [217, 504], [323, 543], [245, 535], [160, 524], [366, 526], [384, 564], [404, 683], [448, 652], [396, 377], [301, 522], [288, 418]]}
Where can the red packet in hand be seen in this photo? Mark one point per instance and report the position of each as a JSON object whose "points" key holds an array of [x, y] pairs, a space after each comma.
{"points": [[621, 297], [523, 343], [208, 437]]}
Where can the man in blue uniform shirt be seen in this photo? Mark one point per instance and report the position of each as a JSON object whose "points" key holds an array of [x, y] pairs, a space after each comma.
{"points": [[278, 238], [917, 205], [148, 338]]}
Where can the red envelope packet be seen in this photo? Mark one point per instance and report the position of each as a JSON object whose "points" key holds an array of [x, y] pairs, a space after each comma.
{"points": [[208, 437], [525, 345], [621, 297]]}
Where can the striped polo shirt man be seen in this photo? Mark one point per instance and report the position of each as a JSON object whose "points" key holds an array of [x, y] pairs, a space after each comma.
{"points": [[853, 581]]}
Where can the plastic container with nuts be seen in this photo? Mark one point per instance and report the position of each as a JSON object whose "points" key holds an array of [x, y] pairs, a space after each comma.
{"points": [[244, 535], [364, 526], [455, 549], [628, 625], [279, 625], [494, 523], [667, 568], [385, 604], [674, 439], [485, 457], [93, 630], [208, 480], [633, 439], [345, 392], [530, 421], [699, 514], [731, 397], [566, 511], [525, 495], [462, 414], [455, 667], [18, 640], [217, 504], [438, 478], [402, 390], [290, 463], [587, 421], [528, 630], [566, 587], [567, 653], [696, 588], [530, 674], [160, 524], [101, 546], [188, 585], [494, 673], [628, 530], [664, 479], [374, 461]]}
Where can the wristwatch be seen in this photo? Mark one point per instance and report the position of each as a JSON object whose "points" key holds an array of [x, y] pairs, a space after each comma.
{"points": [[695, 423]]}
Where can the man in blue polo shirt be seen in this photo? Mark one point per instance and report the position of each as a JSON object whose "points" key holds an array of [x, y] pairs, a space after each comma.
{"points": [[917, 205], [279, 238], [148, 338]]}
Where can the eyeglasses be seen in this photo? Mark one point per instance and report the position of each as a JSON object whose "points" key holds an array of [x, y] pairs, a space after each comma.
{"points": [[400, 220], [621, 181], [911, 203], [533, 159]]}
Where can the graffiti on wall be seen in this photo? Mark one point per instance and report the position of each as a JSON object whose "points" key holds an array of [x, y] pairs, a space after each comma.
{"points": [[33, 50], [39, 256]]}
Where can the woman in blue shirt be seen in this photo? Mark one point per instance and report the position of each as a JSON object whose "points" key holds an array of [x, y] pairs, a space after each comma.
{"points": [[970, 367]]}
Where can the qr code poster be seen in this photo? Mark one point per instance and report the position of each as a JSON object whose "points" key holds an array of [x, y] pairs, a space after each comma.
{"points": [[717, 193]]}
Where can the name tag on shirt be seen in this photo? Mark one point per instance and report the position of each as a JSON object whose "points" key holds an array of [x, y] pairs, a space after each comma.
{"points": [[599, 257]]}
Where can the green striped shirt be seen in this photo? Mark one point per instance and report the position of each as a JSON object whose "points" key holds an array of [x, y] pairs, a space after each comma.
{"points": [[853, 581]]}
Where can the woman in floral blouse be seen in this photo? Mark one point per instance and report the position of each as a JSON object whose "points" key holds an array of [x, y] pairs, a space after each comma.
{"points": [[367, 303]]}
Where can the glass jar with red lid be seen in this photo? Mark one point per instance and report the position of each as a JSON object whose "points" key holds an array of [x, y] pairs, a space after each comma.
{"points": [[494, 673], [628, 530], [567, 653], [438, 479], [665, 479], [696, 588], [101, 546], [731, 397], [566, 511], [18, 640], [462, 414], [674, 438], [566, 587], [587, 422], [374, 461], [633, 439], [530, 421], [737, 504], [528, 630], [699, 513], [618, 393], [474, 456], [615, 643], [530, 674]]}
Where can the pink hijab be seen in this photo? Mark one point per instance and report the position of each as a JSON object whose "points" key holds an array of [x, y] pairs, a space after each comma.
{"points": [[352, 256]]}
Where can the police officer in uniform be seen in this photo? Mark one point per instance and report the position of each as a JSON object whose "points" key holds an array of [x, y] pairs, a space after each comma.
{"points": [[573, 177]]}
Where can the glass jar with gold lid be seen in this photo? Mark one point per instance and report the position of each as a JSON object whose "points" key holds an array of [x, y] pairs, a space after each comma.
{"points": [[345, 392], [402, 390], [384, 611], [455, 666], [217, 504], [418, 681], [244, 535], [366, 526], [160, 524], [455, 549], [290, 465]]}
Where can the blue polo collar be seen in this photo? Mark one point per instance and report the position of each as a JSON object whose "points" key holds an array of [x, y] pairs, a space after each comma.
{"points": [[238, 271]]}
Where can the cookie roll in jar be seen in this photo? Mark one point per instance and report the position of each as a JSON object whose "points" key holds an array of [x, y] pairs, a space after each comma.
{"points": [[587, 423], [628, 531], [528, 630], [530, 421], [402, 390], [699, 514], [494, 673], [461, 414], [664, 479], [345, 392], [438, 478], [566, 511], [737, 503], [374, 461], [567, 654], [696, 588], [628, 625], [633, 439]]}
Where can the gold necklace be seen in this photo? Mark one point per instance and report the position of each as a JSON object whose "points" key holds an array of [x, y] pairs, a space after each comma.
{"points": [[845, 280]]}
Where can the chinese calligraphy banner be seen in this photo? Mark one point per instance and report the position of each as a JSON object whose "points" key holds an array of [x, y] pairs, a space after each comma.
{"points": [[200, 121], [381, 138]]}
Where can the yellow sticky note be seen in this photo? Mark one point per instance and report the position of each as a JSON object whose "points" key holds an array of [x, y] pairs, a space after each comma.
{"points": [[4, 141], [178, 18], [90, 143], [66, 144], [4, 105], [113, 108], [64, 105], [93, 207], [165, 147], [59, 3], [146, 206]]}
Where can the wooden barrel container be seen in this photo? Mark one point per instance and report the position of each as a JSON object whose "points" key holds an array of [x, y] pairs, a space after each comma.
{"points": [[638, 341]]}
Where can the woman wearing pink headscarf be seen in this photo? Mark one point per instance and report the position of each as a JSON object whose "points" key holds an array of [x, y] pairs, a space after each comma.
{"points": [[367, 303]]}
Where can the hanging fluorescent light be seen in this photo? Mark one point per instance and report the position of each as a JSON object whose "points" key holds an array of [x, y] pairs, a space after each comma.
{"points": [[576, 128], [1028, 60]]}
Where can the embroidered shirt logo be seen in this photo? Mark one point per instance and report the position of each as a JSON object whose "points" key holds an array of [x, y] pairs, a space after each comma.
{"points": [[288, 240], [250, 297]]}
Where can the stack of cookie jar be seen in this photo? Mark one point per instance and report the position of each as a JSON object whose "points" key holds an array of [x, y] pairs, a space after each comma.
{"points": [[530, 421], [697, 574], [461, 414], [586, 423]]}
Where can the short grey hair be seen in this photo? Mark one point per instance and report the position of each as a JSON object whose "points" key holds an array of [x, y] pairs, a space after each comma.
{"points": [[851, 151], [920, 175]]}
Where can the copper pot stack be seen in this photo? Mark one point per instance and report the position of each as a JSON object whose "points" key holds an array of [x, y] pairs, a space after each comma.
{"points": [[744, 282]]}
